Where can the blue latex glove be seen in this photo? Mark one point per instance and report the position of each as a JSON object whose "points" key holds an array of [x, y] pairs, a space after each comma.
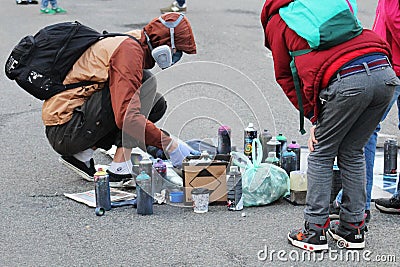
{"points": [[180, 153]]}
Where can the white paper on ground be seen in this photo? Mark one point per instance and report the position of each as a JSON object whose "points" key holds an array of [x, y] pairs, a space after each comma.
{"points": [[89, 197]]}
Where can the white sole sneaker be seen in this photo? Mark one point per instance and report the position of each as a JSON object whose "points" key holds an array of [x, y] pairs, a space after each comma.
{"points": [[343, 243], [81, 173], [306, 246]]}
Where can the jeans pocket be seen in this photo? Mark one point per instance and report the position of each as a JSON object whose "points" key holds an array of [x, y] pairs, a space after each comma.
{"points": [[394, 81], [351, 91], [325, 95]]}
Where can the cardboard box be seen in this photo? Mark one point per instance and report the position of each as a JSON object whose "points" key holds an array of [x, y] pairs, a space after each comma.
{"points": [[210, 175]]}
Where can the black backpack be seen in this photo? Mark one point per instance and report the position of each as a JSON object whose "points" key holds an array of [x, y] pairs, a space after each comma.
{"points": [[40, 63]]}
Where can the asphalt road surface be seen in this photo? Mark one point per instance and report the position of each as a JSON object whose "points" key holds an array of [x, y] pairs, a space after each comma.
{"points": [[230, 81]]}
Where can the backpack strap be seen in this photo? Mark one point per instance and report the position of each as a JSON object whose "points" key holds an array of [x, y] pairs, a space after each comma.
{"points": [[296, 82], [105, 35], [79, 84], [114, 34]]}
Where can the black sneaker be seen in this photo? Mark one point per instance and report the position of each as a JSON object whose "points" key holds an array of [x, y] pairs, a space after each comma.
{"points": [[334, 210], [312, 237], [348, 235], [389, 205], [79, 167], [121, 180]]}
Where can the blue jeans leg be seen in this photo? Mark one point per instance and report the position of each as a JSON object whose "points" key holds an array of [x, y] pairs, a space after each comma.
{"points": [[45, 3], [398, 185], [369, 152], [53, 3], [181, 2]]}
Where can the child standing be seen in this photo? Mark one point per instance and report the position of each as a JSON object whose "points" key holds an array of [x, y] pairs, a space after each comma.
{"points": [[54, 7]]}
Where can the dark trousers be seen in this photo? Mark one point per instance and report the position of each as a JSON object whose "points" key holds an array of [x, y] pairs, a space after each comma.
{"points": [[93, 123]]}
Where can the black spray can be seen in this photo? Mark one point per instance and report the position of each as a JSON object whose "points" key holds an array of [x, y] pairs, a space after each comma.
{"points": [[249, 134], [144, 194], [289, 161], [265, 137], [102, 192], [296, 148], [224, 140], [390, 157], [234, 185]]}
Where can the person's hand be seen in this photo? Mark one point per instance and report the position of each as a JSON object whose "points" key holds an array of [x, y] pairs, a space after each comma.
{"points": [[181, 151], [311, 140]]}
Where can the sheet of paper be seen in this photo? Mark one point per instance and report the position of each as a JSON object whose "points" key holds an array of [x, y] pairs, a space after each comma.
{"points": [[88, 198]]}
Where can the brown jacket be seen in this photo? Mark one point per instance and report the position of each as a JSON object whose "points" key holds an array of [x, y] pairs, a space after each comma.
{"points": [[121, 61]]}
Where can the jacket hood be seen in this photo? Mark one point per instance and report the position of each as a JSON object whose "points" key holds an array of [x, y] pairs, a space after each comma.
{"points": [[270, 8], [159, 35]]}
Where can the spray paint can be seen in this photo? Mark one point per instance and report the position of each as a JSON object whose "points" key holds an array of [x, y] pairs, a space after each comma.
{"points": [[288, 161], [273, 145], [144, 195], [160, 175], [234, 185], [265, 137], [390, 157], [297, 150], [146, 165], [102, 192], [250, 133], [160, 167], [283, 147], [224, 140], [272, 159]]}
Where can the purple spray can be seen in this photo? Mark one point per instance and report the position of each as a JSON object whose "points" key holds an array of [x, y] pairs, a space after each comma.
{"points": [[224, 140]]}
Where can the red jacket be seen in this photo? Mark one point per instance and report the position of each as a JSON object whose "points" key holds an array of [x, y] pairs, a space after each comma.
{"points": [[387, 25], [315, 68]]}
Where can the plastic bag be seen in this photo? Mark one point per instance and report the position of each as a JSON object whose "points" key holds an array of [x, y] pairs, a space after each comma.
{"points": [[262, 183]]}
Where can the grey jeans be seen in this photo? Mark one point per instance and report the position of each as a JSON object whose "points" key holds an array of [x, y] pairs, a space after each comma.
{"points": [[351, 108]]}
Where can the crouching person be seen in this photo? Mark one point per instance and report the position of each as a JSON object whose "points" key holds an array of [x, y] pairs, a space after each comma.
{"points": [[123, 105]]}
